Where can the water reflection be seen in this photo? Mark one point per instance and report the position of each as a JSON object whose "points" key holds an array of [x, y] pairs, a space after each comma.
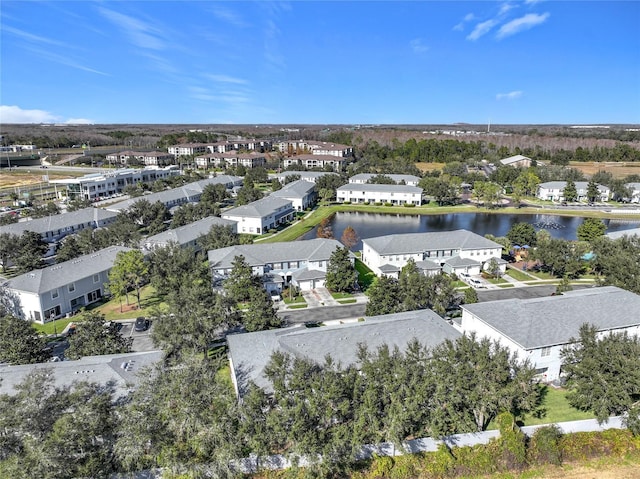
{"points": [[369, 225]]}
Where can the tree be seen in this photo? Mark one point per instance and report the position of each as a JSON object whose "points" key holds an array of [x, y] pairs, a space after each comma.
{"points": [[324, 229], [129, 271], [493, 268], [171, 266], [603, 375], [522, 234], [616, 261], [198, 431], [381, 180], [219, 236], [341, 274], [349, 237], [470, 296], [19, 342], [593, 193], [384, 297], [8, 244], [590, 229], [570, 192], [413, 287], [57, 433], [214, 194], [94, 337], [78, 204], [198, 318], [29, 253], [240, 280], [475, 380], [248, 194], [559, 256], [442, 190], [260, 313], [68, 249]]}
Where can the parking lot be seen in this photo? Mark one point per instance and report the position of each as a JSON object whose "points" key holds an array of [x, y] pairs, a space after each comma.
{"points": [[141, 339]]}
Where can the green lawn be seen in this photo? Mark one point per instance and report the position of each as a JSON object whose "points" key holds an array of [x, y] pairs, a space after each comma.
{"points": [[497, 281], [366, 277], [149, 300], [506, 285], [341, 295], [557, 408], [298, 306], [53, 327], [347, 301], [518, 275]]}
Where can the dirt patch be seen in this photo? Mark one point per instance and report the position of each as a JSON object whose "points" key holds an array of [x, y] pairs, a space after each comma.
{"points": [[617, 169], [621, 471], [429, 166]]}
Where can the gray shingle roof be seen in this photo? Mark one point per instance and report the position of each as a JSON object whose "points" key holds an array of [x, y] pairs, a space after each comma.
{"points": [[554, 320], [185, 234], [457, 262], [419, 242], [121, 369], [43, 280], [258, 254], [620, 234], [260, 208], [396, 178], [295, 189], [251, 352], [60, 222]]}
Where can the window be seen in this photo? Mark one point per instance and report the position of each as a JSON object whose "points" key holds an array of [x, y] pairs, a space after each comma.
{"points": [[54, 294], [96, 278], [72, 287], [49, 314], [545, 351]]}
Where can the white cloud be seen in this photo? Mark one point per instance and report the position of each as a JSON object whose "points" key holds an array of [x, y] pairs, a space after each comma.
{"points": [[418, 46], [141, 34], [523, 23], [505, 7], [532, 2], [512, 95], [15, 114], [230, 17], [30, 36], [467, 18], [481, 29], [80, 121], [226, 79]]}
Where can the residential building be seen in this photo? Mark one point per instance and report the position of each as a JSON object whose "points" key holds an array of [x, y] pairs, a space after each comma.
{"points": [[186, 235], [302, 264], [261, 146], [55, 227], [231, 159], [302, 194], [311, 176], [148, 158], [43, 295], [376, 193], [634, 190], [99, 186], [619, 234], [538, 329], [299, 147], [310, 161], [262, 215], [458, 251], [121, 371], [250, 353], [554, 191], [364, 178], [187, 149], [519, 161], [189, 193]]}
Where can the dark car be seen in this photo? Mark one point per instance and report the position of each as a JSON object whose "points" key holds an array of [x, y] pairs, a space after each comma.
{"points": [[142, 324]]}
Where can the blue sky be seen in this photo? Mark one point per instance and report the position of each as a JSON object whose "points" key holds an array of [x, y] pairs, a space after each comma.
{"points": [[382, 62]]}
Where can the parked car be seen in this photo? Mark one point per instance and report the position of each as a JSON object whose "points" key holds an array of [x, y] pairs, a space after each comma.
{"points": [[142, 323]]}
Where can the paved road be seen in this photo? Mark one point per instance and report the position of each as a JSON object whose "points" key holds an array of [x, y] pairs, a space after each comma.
{"points": [[521, 293]]}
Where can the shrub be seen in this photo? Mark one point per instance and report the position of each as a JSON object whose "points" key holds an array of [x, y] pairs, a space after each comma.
{"points": [[409, 205], [442, 462], [346, 202], [377, 203], [381, 467], [388, 204], [544, 447], [512, 441]]}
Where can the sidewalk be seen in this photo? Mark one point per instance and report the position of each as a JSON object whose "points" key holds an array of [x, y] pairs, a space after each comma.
{"points": [[321, 297]]}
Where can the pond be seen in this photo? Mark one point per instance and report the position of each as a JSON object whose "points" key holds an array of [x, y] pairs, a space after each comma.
{"points": [[369, 225]]}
